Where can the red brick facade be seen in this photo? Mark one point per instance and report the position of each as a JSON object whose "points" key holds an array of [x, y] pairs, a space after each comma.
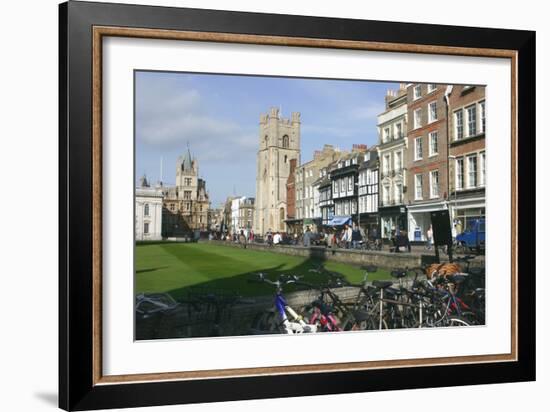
{"points": [[466, 142], [291, 192], [431, 156]]}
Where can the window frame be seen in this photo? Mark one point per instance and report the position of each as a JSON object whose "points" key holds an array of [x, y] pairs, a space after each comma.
{"points": [[462, 170], [434, 195], [432, 117], [457, 124], [469, 120], [472, 157], [431, 153], [417, 186], [415, 88], [418, 140], [417, 124]]}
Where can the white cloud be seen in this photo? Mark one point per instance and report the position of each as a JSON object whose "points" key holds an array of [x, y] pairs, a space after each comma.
{"points": [[170, 114], [368, 111]]}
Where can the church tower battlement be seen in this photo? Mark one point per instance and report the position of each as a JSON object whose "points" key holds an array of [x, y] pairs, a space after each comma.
{"points": [[279, 143]]}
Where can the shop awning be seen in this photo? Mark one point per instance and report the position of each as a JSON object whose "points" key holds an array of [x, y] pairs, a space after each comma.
{"points": [[339, 221]]}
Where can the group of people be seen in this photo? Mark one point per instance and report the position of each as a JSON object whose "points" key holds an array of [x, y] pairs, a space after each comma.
{"points": [[240, 236]]}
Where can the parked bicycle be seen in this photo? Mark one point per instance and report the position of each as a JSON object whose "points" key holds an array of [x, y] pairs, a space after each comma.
{"points": [[281, 318]]}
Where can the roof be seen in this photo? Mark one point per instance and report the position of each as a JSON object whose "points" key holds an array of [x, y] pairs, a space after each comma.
{"points": [[186, 160]]}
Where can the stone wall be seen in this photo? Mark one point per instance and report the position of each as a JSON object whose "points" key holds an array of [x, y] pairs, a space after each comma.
{"points": [[386, 260]]}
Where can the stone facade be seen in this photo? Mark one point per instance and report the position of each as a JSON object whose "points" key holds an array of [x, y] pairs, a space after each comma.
{"points": [[392, 148], [307, 190], [186, 204], [242, 214], [467, 175], [215, 219], [279, 143], [426, 156], [148, 213]]}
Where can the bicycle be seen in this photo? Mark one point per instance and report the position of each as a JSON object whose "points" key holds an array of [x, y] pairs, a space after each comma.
{"points": [[282, 318], [149, 304]]}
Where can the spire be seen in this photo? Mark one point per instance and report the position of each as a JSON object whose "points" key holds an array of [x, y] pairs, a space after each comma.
{"points": [[187, 165], [143, 181]]}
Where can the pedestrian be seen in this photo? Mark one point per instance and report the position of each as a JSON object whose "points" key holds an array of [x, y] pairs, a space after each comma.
{"points": [[429, 237], [349, 235], [242, 239], [269, 237], [307, 237], [277, 238], [355, 238]]}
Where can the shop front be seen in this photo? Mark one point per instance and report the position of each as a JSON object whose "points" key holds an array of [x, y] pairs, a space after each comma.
{"points": [[466, 210], [294, 226], [419, 219], [391, 219], [369, 224]]}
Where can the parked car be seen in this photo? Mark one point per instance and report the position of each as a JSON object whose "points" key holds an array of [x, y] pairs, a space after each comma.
{"points": [[473, 237]]}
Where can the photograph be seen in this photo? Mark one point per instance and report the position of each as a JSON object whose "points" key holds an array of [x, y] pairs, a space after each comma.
{"points": [[287, 205], [258, 205]]}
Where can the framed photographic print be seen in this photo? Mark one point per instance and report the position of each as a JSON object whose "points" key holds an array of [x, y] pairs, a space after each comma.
{"points": [[259, 205]]}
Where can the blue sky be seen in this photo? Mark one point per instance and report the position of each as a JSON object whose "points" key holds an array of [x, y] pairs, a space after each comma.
{"points": [[218, 116]]}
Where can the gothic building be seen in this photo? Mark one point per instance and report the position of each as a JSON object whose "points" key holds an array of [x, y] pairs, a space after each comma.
{"points": [[279, 143], [185, 205]]}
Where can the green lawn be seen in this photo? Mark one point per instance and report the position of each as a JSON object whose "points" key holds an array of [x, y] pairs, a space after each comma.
{"points": [[176, 267]]}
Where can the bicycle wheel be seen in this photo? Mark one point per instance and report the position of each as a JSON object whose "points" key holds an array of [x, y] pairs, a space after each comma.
{"points": [[267, 322], [457, 321], [351, 323]]}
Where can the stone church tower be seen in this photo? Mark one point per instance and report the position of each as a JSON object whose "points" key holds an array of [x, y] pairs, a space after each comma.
{"points": [[279, 144]]}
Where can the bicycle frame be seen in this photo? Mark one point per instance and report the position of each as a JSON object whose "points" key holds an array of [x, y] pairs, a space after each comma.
{"points": [[297, 325]]}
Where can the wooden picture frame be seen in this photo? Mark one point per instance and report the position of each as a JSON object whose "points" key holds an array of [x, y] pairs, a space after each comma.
{"points": [[82, 27]]}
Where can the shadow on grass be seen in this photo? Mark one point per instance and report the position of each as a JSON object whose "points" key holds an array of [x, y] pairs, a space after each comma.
{"points": [[246, 285], [150, 269]]}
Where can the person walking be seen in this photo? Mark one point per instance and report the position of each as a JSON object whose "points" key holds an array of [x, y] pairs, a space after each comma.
{"points": [[242, 239], [355, 238], [429, 237], [347, 236], [269, 237], [307, 237]]}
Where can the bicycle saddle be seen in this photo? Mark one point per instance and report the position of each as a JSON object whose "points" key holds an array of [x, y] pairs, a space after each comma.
{"points": [[399, 273], [477, 271], [458, 278], [382, 284], [393, 291], [369, 268]]}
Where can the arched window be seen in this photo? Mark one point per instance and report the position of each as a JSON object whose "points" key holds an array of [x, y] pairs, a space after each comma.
{"points": [[266, 140], [286, 158], [146, 209], [285, 141]]}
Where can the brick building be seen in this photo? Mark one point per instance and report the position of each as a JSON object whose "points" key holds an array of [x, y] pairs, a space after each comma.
{"points": [[426, 157], [467, 176], [291, 221]]}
